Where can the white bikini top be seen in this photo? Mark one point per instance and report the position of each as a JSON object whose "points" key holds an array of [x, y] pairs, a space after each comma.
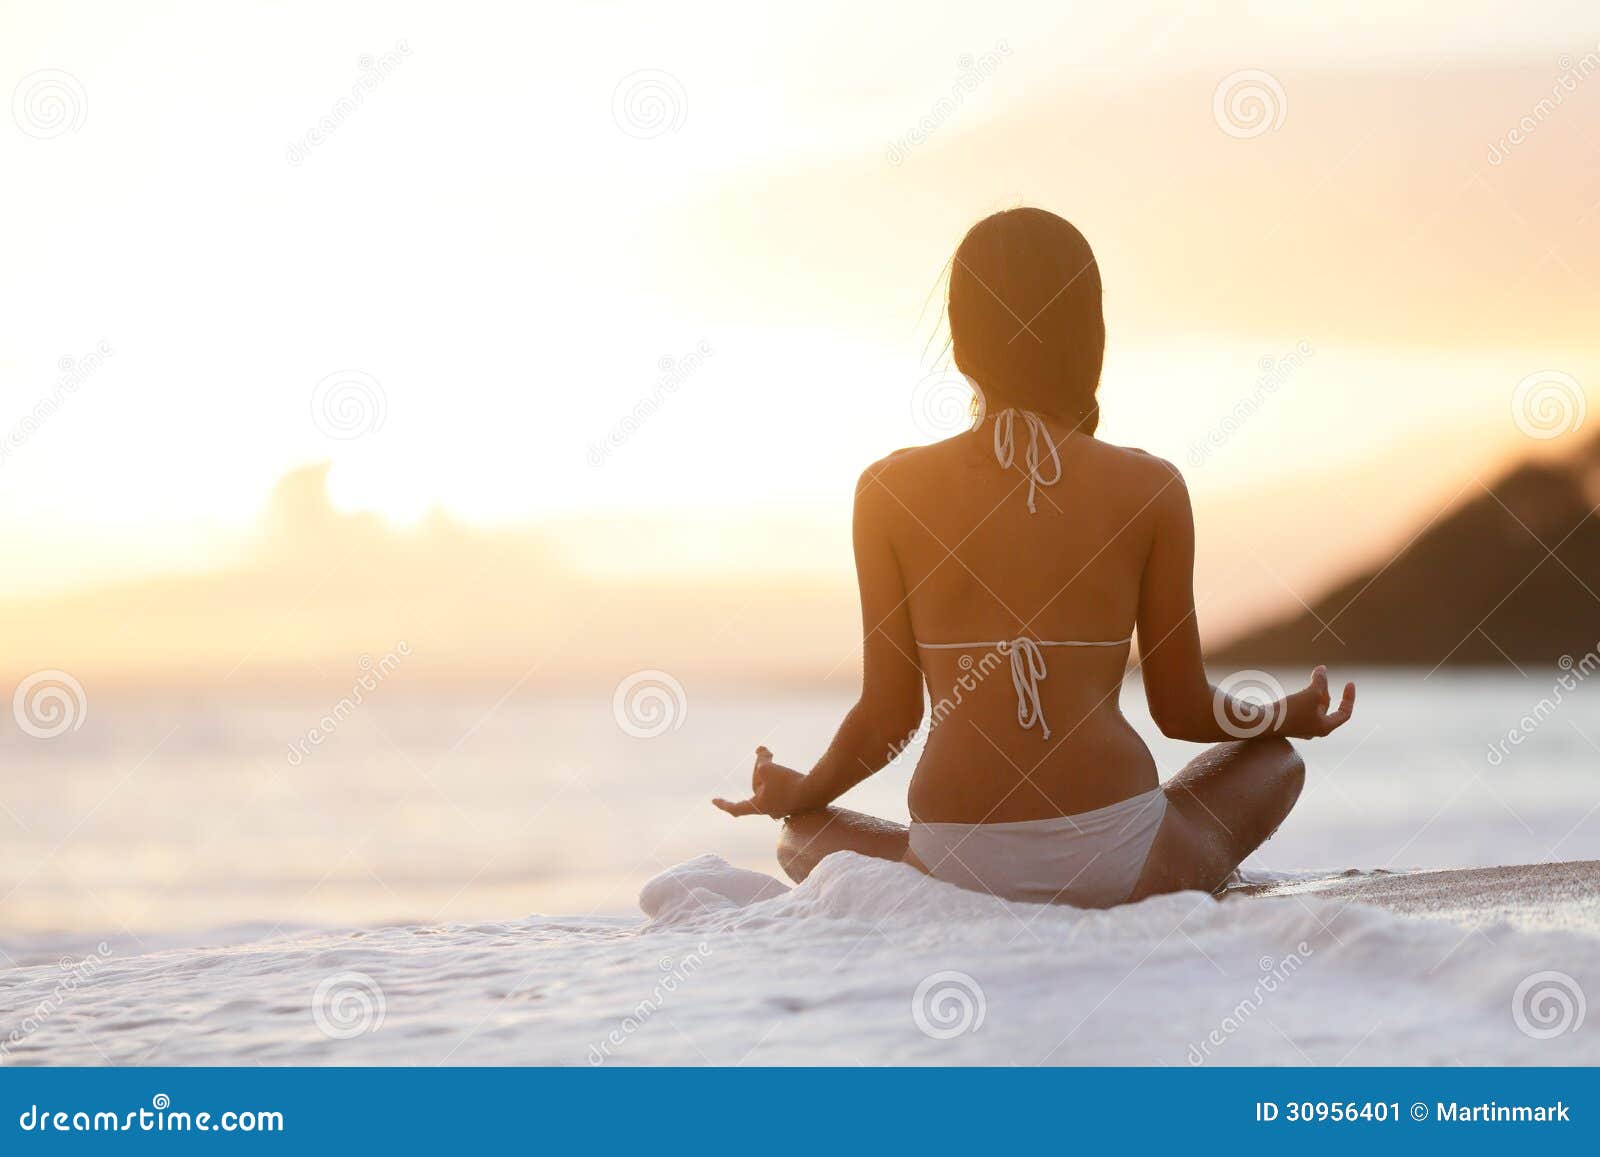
{"points": [[1027, 661]]}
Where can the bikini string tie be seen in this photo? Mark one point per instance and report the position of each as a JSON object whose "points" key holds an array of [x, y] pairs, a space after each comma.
{"points": [[1005, 449], [1027, 668]]}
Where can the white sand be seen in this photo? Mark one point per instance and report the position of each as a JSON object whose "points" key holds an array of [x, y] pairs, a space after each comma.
{"points": [[867, 962]]}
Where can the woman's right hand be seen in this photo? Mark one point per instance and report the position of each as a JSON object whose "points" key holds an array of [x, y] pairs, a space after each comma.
{"points": [[1306, 714], [775, 790]]}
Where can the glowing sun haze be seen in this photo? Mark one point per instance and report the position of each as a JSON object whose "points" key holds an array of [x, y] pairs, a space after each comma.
{"points": [[659, 283]]}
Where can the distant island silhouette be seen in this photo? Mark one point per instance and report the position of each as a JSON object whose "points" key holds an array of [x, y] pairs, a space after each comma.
{"points": [[1510, 577]]}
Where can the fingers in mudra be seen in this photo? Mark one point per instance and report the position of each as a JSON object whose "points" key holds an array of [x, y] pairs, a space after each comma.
{"points": [[743, 807], [1328, 721], [752, 805]]}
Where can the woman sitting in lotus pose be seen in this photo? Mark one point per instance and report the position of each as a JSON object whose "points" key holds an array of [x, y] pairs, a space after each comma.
{"points": [[1016, 561]]}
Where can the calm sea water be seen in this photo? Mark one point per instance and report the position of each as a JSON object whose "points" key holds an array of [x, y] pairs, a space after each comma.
{"points": [[161, 814]]}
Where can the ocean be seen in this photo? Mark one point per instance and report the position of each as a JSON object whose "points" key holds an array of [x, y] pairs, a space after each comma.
{"points": [[202, 882]]}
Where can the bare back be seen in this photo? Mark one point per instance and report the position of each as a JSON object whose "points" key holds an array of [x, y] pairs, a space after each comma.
{"points": [[1005, 572], [978, 567]]}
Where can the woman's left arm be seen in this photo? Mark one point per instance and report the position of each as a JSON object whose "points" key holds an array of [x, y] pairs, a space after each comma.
{"points": [[889, 710]]}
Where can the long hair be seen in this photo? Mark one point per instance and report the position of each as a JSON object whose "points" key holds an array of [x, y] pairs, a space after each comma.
{"points": [[1025, 317]]}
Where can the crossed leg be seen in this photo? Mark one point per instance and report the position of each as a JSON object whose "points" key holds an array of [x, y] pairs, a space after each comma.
{"points": [[1220, 808], [809, 836]]}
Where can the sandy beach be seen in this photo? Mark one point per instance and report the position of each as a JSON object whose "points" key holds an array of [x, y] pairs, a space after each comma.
{"points": [[495, 494], [1561, 896], [866, 963]]}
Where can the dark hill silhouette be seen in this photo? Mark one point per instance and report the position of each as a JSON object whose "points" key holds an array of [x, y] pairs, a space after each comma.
{"points": [[1510, 576]]}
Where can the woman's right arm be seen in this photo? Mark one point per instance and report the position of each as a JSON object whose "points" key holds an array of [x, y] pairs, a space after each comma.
{"points": [[1182, 700]]}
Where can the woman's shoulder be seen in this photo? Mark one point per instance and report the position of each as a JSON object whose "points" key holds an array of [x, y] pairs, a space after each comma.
{"points": [[911, 473], [1129, 471], [1137, 459], [899, 461], [1137, 473]]}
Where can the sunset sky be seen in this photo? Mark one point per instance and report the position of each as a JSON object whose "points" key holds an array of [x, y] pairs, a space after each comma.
{"points": [[537, 218]]}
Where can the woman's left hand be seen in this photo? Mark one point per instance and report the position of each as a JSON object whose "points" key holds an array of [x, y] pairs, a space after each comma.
{"points": [[775, 790], [1310, 714]]}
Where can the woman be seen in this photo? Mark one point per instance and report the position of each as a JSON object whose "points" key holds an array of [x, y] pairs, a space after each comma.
{"points": [[1008, 568]]}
